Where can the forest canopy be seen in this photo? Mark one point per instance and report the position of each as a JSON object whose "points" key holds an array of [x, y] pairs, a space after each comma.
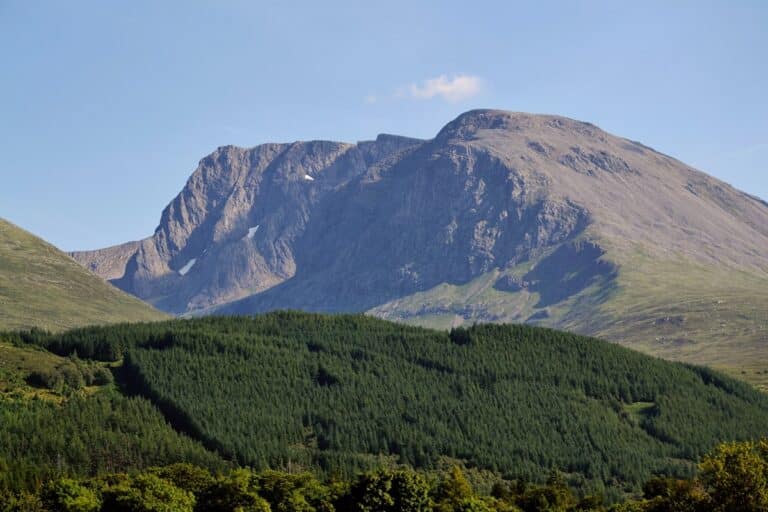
{"points": [[343, 394]]}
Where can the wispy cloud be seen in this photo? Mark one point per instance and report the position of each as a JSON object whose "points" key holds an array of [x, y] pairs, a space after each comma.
{"points": [[456, 88], [371, 98]]}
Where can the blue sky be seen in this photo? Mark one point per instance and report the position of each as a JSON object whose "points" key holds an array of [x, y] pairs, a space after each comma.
{"points": [[106, 107]]}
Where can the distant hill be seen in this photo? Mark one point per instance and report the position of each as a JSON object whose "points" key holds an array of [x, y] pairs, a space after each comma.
{"points": [[342, 393], [41, 286], [501, 217]]}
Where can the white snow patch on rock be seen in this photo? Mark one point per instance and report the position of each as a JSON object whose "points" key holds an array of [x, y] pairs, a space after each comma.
{"points": [[191, 263], [308, 177], [252, 231]]}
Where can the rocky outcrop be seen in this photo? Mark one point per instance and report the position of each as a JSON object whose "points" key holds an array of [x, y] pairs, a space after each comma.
{"points": [[109, 263]]}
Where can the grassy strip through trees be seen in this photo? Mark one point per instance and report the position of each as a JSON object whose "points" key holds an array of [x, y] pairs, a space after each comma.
{"points": [[341, 394], [733, 478]]}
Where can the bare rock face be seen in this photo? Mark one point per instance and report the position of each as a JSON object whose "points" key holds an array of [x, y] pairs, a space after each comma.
{"points": [[108, 263], [330, 226], [233, 229]]}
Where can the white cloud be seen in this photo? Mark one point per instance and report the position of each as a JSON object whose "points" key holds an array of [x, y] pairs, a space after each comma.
{"points": [[371, 98], [457, 88]]}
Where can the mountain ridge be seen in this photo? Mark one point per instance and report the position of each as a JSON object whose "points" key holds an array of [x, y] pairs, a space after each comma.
{"points": [[502, 203]]}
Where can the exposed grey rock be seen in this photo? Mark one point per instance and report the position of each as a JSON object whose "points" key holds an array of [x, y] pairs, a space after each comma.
{"points": [[330, 226], [238, 217]]}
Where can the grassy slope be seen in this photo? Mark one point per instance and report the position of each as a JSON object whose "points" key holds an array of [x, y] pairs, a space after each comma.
{"points": [[672, 309], [682, 311], [42, 287], [451, 305], [17, 363]]}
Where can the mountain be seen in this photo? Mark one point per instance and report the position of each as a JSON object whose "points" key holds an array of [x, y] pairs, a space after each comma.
{"points": [[232, 231], [502, 217], [41, 286], [344, 393]]}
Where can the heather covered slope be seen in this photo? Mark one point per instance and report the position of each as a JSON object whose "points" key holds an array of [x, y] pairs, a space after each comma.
{"points": [[341, 393], [42, 287], [501, 217]]}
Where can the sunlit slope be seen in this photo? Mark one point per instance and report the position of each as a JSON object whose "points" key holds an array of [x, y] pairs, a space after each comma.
{"points": [[42, 287], [675, 309], [681, 310]]}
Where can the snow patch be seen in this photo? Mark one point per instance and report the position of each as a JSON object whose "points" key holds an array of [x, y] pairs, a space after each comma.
{"points": [[308, 177], [252, 231], [191, 263]]}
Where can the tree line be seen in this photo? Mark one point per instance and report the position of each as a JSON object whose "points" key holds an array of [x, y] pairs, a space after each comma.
{"points": [[733, 478]]}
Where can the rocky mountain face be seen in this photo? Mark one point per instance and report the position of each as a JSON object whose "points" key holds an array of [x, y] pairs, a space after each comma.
{"points": [[501, 217], [233, 229]]}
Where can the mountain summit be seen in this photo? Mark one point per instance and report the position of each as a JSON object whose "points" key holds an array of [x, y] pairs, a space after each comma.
{"points": [[503, 216]]}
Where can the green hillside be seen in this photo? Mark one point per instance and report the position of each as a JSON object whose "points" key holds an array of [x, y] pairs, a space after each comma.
{"points": [[42, 287], [63, 416], [343, 393], [671, 308]]}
